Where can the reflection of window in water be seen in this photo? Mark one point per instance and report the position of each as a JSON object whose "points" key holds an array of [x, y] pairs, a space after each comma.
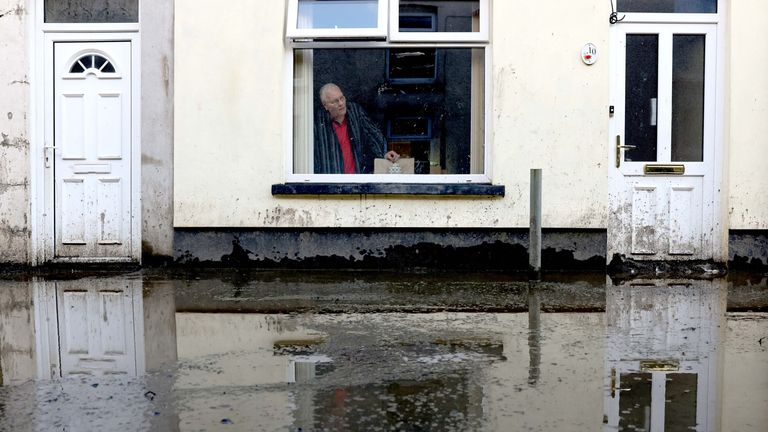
{"points": [[426, 90], [450, 403]]}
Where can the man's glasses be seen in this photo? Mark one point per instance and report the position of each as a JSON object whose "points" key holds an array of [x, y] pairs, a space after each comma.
{"points": [[337, 102]]}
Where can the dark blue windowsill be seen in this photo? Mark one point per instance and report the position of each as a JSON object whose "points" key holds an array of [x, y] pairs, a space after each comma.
{"points": [[445, 189]]}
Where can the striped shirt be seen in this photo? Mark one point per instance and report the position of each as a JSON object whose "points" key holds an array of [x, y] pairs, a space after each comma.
{"points": [[365, 138]]}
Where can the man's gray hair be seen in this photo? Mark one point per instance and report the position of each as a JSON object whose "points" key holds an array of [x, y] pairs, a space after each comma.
{"points": [[324, 89]]}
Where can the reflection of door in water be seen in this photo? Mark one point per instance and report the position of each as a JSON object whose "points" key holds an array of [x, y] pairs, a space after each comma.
{"points": [[662, 192], [92, 149], [650, 401], [96, 330], [664, 354]]}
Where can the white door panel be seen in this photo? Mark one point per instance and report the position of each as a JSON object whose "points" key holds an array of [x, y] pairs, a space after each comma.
{"points": [[92, 154], [661, 175]]}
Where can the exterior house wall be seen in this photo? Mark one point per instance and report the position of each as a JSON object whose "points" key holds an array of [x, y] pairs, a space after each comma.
{"points": [[14, 137], [212, 150], [231, 124], [748, 110], [157, 129], [547, 110]]}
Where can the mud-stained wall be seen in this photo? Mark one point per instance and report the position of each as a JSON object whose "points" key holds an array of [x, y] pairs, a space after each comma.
{"points": [[14, 137], [748, 111], [17, 334], [157, 130], [549, 111]]}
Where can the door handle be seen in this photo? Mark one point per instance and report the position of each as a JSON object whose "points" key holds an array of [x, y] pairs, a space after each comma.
{"points": [[618, 150], [46, 152]]}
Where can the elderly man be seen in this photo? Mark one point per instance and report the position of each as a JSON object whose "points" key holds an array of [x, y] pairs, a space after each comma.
{"points": [[346, 140]]}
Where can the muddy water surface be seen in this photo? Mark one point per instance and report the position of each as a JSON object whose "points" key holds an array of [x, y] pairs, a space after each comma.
{"points": [[227, 350]]}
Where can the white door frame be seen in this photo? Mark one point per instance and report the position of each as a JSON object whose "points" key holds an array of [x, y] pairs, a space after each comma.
{"points": [[717, 214], [43, 36]]}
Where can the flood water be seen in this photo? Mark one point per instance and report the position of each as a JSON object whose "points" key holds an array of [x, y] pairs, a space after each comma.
{"points": [[171, 350]]}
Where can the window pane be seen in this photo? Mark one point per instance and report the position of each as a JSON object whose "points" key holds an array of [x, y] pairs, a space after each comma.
{"points": [[439, 15], [688, 98], [91, 11], [329, 14], [413, 64], [635, 401], [642, 84], [680, 406], [668, 6], [438, 122]]}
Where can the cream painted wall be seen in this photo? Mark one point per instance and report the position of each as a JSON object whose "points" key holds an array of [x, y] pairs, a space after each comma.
{"points": [[748, 117], [14, 134], [549, 111]]}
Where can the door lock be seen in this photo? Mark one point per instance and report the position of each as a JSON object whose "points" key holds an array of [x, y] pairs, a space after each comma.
{"points": [[618, 150], [47, 154]]}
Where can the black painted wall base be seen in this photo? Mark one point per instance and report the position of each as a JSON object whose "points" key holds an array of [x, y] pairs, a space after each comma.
{"points": [[450, 249], [748, 250]]}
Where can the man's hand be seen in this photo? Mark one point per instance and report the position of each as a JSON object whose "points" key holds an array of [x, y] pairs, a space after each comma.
{"points": [[392, 156]]}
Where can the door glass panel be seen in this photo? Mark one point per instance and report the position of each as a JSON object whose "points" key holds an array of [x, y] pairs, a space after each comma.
{"points": [[668, 6], [329, 14], [635, 401], [680, 406], [641, 93], [91, 11], [688, 98]]}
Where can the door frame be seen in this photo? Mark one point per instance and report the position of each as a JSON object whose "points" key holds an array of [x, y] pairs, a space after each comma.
{"points": [[43, 36], [717, 212]]}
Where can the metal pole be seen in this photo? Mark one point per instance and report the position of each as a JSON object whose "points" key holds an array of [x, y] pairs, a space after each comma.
{"points": [[534, 243], [534, 334]]}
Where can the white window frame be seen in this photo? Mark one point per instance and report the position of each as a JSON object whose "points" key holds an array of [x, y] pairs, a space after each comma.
{"points": [[292, 31], [674, 17], [396, 35], [388, 29], [288, 132]]}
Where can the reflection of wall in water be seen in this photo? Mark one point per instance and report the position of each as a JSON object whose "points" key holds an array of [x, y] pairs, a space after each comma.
{"points": [[17, 334], [362, 76]]}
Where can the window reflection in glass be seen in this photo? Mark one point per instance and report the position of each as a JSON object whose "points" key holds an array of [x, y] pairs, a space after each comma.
{"points": [[641, 96], [435, 117], [450, 15], [668, 6], [688, 98], [91, 11], [329, 14]]}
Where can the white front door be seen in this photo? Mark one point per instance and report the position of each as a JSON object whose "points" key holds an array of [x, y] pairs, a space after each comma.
{"points": [[88, 152], [663, 137]]}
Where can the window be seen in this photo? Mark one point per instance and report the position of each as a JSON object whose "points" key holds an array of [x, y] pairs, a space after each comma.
{"points": [[92, 63], [336, 18], [91, 11], [668, 6], [455, 20], [355, 99]]}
